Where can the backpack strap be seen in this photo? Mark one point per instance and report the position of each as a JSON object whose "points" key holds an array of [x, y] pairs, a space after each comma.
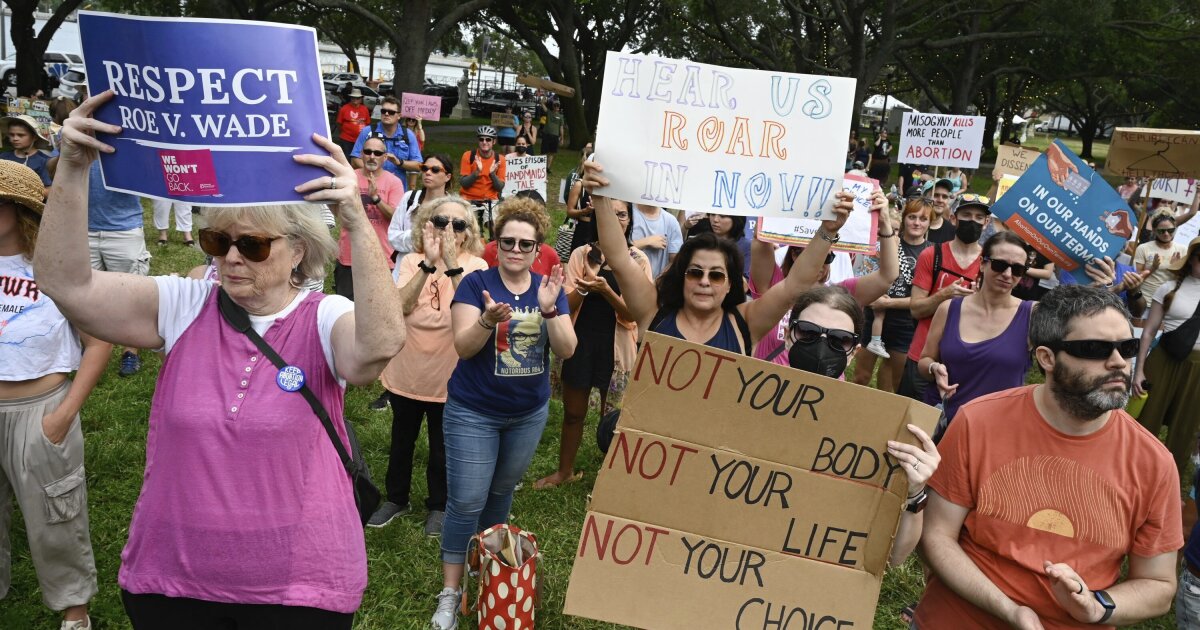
{"points": [[937, 265], [659, 316]]}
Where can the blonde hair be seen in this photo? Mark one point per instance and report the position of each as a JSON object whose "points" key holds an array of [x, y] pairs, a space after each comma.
{"points": [[430, 209], [300, 223], [525, 210], [27, 229]]}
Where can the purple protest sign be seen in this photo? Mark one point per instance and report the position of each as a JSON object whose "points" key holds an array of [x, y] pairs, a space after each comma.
{"points": [[211, 111], [421, 106]]}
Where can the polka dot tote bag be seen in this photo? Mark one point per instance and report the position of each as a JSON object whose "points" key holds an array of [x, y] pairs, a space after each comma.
{"points": [[506, 559]]}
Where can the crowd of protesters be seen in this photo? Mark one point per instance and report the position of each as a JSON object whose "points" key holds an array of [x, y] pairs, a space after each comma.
{"points": [[1025, 502]]}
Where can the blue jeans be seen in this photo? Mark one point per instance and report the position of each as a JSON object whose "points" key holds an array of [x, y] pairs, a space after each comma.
{"points": [[486, 456], [1187, 602]]}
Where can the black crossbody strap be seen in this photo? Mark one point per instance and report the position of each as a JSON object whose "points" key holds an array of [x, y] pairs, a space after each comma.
{"points": [[239, 319]]}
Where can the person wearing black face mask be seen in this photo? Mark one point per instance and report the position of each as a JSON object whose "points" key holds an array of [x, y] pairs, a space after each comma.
{"points": [[822, 334], [944, 272], [520, 149]]}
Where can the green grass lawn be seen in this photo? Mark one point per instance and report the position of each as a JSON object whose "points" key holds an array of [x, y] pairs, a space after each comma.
{"points": [[404, 565]]}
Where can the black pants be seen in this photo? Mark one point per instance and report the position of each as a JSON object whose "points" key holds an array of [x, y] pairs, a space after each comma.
{"points": [[343, 281], [911, 384], [406, 426], [152, 612]]}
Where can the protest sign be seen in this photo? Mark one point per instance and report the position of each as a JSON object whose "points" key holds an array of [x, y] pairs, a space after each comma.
{"points": [[421, 106], [1006, 182], [36, 109], [941, 139], [704, 138], [527, 172], [747, 489], [1012, 160], [211, 111], [1179, 190], [543, 84], [500, 119], [859, 234], [1140, 152], [1066, 211]]}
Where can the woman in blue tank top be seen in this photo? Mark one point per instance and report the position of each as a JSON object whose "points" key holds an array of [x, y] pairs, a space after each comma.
{"points": [[701, 296]]}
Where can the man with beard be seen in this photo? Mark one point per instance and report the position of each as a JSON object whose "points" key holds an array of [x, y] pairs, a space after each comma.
{"points": [[1044, 491], [381, 192]]}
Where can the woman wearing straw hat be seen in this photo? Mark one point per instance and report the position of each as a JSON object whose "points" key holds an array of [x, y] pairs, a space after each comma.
{"points": [[41, 444], [23, 135], [1175, 395]]}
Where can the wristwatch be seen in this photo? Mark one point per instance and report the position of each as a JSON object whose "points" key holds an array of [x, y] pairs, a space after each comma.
{"points": [[917, 503], [1107, 602]]}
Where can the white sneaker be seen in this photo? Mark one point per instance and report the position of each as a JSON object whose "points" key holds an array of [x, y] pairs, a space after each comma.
{"points": [[446, 615], [78, 624], [876, 347]]}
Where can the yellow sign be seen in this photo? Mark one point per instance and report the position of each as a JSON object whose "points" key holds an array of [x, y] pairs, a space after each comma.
{"points": [[474, 67]]}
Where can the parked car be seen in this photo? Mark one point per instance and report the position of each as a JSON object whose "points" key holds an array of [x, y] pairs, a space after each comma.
{"points": [[449, 94], [57, 64], [491, 101], [342, 77]]}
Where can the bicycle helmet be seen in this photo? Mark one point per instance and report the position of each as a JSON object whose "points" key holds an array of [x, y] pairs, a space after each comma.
{"points": [[486, 131]]}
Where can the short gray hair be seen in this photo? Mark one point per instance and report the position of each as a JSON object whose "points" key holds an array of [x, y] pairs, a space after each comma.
{"points": [[300, 223], [1051, 319]]}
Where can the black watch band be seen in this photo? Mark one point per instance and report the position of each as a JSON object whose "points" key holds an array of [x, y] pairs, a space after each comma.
{"points": [[450, 273], [917, 503], [424, 266], [1107, 603]]}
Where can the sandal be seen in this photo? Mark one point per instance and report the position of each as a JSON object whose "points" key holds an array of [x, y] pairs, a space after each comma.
{"points": [[189, 243], [162, 242]]}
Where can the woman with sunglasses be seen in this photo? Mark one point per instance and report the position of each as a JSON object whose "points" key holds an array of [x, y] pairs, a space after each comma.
{"points": [[1175, 397], [506, 320], [546, 259], [246, 513], [527, 129], [1158, 255], [447, 249], [437, 178], [607, 345], [701, 296], [823, 333]]}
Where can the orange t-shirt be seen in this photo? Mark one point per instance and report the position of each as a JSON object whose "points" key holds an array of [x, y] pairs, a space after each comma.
{"points": [[352, 118], [1036, 494], [482, 188]]}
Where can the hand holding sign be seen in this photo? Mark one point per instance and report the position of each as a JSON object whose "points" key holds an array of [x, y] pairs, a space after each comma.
{"points": [[1102, 271], [79, 146], [339, 190], [919, 462]]}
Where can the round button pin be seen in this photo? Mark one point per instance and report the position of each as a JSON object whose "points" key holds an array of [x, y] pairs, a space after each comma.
{"points": [[290, 378]]}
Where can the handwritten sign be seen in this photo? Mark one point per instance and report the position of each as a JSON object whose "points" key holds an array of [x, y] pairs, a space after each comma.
{"points": [[860, 234], [527, 172], [752, 487], [500, 119], [681, 134], [1066, 211], [1141, 152], [941, 139], [1179, 190], [36, 109], [211, 111], [1012, 160], [1006, 182], [421, 106]]}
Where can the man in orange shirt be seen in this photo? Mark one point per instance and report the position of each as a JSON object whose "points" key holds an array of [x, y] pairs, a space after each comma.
{"points": [[483, 172], [1043, 491], [351, 119]]}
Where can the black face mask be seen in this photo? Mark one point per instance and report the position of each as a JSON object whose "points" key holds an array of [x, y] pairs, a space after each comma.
{"points": [[817, 357], [522, 150], [968, 231]]}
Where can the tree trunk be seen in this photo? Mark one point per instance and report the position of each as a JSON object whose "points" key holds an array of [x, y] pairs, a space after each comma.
{"points": [[30, 50]]}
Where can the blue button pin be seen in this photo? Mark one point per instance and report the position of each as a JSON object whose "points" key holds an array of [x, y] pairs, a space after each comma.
{"points": [[290, 378]]}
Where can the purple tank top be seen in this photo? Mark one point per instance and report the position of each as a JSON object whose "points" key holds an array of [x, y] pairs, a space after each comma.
{"points": [[986, 367], [244, 499]]}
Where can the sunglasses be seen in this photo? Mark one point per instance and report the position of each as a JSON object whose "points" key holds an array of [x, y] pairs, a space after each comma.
{"points": [[1165, 230], [441, 221], [1097, 349], [715, 276], [252, 247], [388, 112], [374, 152], [487, 139], [1018, 270], [508, 243], [436, 170], [842, 341]]}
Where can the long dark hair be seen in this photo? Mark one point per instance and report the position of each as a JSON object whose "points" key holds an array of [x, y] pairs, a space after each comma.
{"points": [[737, 231], [670, 283]]}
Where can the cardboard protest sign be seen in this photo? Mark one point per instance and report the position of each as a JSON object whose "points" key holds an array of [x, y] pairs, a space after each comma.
{"points": [[421, 106], [941, 139], [860, 234], [1006, 182], [1178, 190], [211, 111], [527, 172], [500, 119], [704, 138], [749, 490], [36, 109], [1140, 152], [1066, 211], [1012, 160], [544, 84]]}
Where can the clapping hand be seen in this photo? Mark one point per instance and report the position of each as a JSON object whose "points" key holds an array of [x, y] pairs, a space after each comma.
{"points": [[550, 288], [494, 312]]}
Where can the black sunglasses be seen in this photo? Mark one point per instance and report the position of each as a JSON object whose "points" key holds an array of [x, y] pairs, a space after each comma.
{"points": [[842, 341], [715, 276], [1018, 270], [388, 112], [435, 169], [252, 247], [1165, 230], [374, 152], [1097, 349], [507, 243], [441, 221]]}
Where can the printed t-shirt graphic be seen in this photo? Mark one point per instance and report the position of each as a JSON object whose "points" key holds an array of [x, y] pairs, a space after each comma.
{"points": [[519, 347]]}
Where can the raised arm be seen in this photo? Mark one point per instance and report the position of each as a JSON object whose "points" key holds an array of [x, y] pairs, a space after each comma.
{"points": [[875, 284], [762, 264], [115, 307]]}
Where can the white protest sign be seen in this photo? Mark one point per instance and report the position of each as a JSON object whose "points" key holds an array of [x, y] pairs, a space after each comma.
{"points": [[1180, 190], [1186, 232], [941, 139], [525, 173], [858, 235], [680, 134]]}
